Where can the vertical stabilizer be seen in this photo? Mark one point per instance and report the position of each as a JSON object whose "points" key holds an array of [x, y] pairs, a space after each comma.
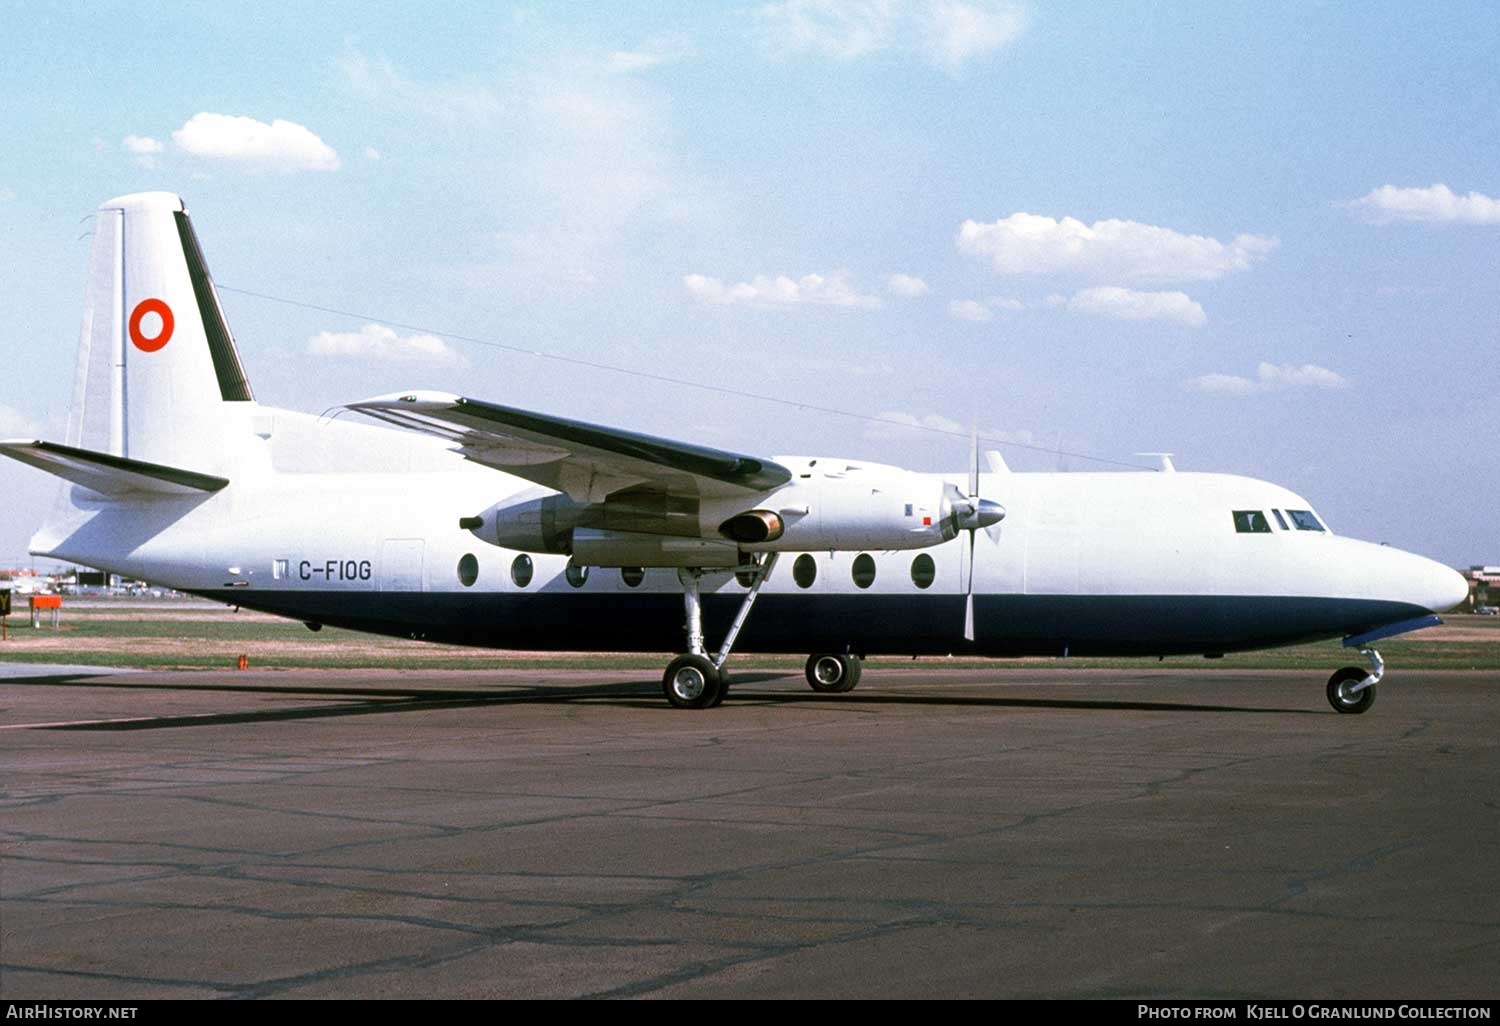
{"points": [[156, 362]]}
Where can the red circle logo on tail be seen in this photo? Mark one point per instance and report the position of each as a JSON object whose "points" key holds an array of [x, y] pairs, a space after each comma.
{"points": [[164, 333]]}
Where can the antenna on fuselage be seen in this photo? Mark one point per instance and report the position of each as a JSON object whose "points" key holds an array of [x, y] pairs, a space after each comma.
{"points": [[1165, 458]]}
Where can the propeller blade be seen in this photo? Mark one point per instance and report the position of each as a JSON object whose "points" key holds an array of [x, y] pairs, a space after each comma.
{"points": [[974, 460], [969, 594]]}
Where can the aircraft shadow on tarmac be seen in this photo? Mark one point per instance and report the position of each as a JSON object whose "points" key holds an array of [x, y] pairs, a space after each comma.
{"points": [[368, 701]]}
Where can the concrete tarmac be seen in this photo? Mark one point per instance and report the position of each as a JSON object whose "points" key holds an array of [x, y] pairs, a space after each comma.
{"points": [[937, 833]]}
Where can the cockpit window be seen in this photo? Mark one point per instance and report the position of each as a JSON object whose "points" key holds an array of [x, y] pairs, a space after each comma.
{"points": [[1304, 520], [1251, 521], [1280, 520]]}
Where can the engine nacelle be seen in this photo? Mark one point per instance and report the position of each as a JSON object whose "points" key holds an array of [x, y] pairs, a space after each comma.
{"points": [[838, 504], [593, 547]]}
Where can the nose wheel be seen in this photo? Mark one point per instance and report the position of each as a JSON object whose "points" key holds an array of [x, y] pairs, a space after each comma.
{"points": [[1352, 690]]}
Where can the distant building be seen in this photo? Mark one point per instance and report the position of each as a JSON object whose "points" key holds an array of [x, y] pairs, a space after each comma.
{"points": [[1484, 588]]}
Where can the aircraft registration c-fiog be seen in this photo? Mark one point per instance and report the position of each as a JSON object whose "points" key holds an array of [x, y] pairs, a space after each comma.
{"points": [[487, 525]]}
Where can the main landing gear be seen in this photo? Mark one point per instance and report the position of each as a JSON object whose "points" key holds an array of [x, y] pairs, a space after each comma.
{"points": [[833, 674], [695, 680], [1351, 689]]}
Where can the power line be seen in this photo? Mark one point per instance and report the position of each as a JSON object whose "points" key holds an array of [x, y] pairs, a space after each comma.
{"points": [[665, 378]]}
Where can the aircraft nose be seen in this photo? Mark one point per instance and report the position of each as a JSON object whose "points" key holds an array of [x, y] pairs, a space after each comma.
{"points": [[1451, 589], [1433, 585]]}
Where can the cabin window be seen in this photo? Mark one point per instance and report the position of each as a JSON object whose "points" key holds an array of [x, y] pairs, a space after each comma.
{"points": [[468, 570], [1304, 520], [576, 574], [1251, 521], [632, 576], [863, 570], [521, 570], [923, 571], [805, 571], [1281, 520]]}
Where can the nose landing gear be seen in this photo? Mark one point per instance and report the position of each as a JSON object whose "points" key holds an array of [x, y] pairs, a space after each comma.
{"points": [[1351, 689]]}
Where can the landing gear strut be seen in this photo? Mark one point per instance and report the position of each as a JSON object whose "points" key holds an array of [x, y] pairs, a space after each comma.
{"points": [[695, 680], [1351, 689]]}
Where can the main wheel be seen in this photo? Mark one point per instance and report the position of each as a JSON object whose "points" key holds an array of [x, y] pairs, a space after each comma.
{"points": [[832, 674], [1341, 694], [692, 682]]}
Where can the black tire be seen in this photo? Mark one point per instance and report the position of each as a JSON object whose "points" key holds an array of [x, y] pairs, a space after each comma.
{"points": [[1345, 701], [832, 674], [723, 689], [692, 682]]}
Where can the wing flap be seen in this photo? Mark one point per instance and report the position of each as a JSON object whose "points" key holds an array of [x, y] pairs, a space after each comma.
{"points": [[110, 475], [587, 461]]}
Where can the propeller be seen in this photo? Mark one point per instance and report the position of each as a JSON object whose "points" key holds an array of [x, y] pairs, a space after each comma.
{"points": [[972, 513]]}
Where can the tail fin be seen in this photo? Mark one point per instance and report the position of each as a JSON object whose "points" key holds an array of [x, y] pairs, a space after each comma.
{"points": [[156, 362]]}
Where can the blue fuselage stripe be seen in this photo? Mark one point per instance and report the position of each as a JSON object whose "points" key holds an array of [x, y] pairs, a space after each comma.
{"points": [[1007, 625]]}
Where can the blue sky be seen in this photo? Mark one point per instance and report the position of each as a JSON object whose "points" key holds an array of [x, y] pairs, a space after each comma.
{"points": [[1265, 237]]}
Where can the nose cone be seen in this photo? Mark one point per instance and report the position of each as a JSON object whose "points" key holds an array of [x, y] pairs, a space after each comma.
{"points": [[1449, 587], [1430, 584]]}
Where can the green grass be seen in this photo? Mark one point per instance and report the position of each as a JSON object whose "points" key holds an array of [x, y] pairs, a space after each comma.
{"points": [[89, 639]]}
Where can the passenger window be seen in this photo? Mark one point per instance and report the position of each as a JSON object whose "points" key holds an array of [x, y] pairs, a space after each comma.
{"points": [[576, 574], [923, 571], [864, 570], [521, 569], [1304, 520], [468, 570], [632, 576], [805, 571], [1251, 521], [1280, 520]]}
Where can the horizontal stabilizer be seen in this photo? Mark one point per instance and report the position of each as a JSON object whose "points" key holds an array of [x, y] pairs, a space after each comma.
{"points": [[114, 476]]}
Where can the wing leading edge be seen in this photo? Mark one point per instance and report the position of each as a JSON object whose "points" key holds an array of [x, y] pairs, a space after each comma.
{"points": [[586, 461]]}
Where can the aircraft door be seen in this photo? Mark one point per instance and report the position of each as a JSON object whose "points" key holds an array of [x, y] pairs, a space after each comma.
{"points": [[401, 564]]}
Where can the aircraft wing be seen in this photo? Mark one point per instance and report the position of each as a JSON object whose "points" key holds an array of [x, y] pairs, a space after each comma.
{"points": [[586, 461]]}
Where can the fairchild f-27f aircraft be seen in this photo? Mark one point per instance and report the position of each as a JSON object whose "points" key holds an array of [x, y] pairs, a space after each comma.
{"points": [[483, 524]]}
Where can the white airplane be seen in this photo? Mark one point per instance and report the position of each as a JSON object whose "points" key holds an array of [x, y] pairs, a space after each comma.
{"points": [[493, 526]]}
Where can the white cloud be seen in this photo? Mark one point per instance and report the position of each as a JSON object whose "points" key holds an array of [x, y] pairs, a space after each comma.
{"points": [[593, 164], [371, 153], [898, 423], [906, 285], [145, 149], [7, 194], [1130, 305], [254, 146], [377, 342], [1435, 203], [656, 52], [1271, 377], [982, 311], [835, 289], [1121, 250], [15, 424], [946, 32], [1307, 375], [841, 29], [969, 310], [376, 80], [957, 32]]}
